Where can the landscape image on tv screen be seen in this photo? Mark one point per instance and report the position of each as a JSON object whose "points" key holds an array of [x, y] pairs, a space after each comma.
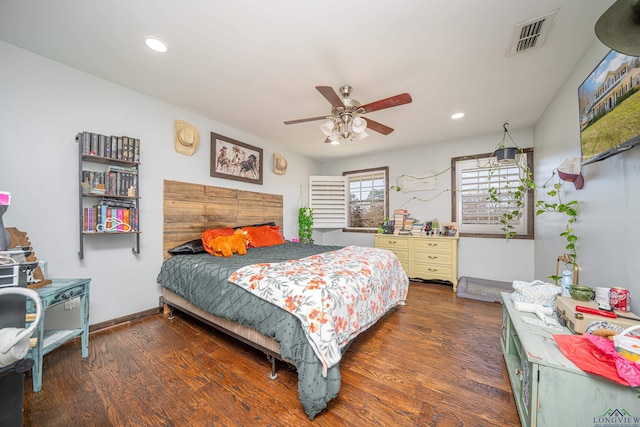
{"points": [[609, 103]]}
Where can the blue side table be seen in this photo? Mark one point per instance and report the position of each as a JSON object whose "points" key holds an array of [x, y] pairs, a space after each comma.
{"points": [[59, 292]]}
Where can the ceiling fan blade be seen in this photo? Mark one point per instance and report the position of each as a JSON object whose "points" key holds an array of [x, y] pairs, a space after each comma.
{"points": [[331, 95], [310, 119], [378, 127], [394, 101]]}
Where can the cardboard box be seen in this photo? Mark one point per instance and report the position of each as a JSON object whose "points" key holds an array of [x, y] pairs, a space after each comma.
{"points": [[578, 322]]}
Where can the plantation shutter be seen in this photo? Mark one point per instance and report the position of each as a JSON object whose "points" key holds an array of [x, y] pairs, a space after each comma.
{"points": [[328, 199], [476, 213]]}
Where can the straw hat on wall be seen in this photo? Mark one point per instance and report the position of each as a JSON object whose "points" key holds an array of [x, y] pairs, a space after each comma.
{"points": [[279, 164], [187, 138]]}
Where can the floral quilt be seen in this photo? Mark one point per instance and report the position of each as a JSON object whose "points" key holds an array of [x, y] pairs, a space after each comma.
{"points": [[336, 295]]}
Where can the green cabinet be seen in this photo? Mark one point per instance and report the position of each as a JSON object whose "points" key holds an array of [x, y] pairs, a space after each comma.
{"points": [[549, 389]]}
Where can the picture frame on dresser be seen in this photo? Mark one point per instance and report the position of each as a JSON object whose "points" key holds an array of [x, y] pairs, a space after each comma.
{"points": [[231, 159]]}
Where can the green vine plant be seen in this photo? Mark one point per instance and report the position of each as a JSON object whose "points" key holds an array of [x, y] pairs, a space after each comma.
{"points": [[513, 194], [568, 208], [305, 225]]}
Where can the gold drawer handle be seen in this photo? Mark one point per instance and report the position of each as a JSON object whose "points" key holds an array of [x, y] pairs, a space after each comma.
{"points": [[432, 244], [433, 270], [432, 257]]}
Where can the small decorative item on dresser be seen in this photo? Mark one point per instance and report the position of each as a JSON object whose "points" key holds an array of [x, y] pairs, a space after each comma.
{"points": [[581, 293], [619, 299]]}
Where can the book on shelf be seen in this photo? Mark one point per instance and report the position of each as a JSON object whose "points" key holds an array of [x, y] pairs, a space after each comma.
{"points": [[107, 147], [136, 150], [94, 145], [114, 147], [120, 148]]}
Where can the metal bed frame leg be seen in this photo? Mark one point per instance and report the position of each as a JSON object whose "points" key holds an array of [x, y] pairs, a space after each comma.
{"points": [[166, 308], [273, 375]]}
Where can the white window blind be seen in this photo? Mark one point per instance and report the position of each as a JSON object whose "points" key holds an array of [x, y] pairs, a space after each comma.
{"points": [[328, 199]]}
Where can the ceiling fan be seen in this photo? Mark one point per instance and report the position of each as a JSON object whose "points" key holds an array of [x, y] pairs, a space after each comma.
{"points": [[345, 122]]}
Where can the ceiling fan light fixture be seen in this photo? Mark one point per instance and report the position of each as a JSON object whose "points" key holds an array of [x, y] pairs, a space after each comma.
{"points": [[359, 124], [345, 123], [362, 135], [327, 127]]}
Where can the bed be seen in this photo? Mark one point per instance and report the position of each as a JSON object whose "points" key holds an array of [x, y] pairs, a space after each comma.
{"points": [[199, 284]]}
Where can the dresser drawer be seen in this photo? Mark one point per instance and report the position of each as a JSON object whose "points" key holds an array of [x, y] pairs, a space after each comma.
{"points": [[433, 258], [432, 245], [65, 295], [403, 255], [392, 243], [433, 271]]}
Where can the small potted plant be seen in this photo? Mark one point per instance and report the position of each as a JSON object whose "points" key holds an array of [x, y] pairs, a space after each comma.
{"points": [[305, 225]]}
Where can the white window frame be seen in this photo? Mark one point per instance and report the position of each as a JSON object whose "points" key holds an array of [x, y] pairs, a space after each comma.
{"points": [[475, 214]]}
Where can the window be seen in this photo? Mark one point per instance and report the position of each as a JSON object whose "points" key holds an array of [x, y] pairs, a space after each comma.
{"points": [[474, 211], [368, 203], [356, 201]]}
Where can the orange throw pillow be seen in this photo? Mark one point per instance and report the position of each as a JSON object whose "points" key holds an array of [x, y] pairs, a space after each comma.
{"points": [[207, 236], [267, 235]]}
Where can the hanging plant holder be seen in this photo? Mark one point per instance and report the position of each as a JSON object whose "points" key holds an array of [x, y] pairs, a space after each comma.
{"points": [[506, 154]]}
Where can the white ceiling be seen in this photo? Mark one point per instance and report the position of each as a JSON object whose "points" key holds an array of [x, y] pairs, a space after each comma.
{"points": [[253, 64]]}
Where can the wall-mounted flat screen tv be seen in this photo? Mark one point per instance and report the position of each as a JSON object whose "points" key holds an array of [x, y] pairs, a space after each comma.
{"points": [[609, 103]]}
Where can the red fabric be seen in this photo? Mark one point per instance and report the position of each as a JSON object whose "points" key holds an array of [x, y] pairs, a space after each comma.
{"points": [[587, 356], [266, 235], [207, 236], [627, 369]]}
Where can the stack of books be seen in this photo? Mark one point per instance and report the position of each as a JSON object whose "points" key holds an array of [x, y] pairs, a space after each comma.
{"points": [[398, 220], [418, 229], [407, 226]]}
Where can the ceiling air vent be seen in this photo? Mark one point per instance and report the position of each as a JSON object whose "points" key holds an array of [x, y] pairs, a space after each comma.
{"points": [[531, 33]]}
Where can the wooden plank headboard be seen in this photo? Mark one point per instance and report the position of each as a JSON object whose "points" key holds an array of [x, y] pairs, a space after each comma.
{"points": [[189, 209]]}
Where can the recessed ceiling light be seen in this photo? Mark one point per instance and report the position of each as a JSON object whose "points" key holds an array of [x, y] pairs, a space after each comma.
{"points": [[155, 44], [457, 115]]}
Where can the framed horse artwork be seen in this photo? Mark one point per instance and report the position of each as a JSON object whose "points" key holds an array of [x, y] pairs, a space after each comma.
{"points": [[231, 159]]}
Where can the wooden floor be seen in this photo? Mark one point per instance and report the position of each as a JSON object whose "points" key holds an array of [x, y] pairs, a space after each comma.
{"points": [[434, 362]]}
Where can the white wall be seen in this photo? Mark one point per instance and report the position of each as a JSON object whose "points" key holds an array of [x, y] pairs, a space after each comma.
{"points": [[497, 259], [608, 229], [43, 104]]}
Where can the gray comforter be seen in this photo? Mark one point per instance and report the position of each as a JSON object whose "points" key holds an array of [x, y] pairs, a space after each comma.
{"points": [[202, 280]]}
